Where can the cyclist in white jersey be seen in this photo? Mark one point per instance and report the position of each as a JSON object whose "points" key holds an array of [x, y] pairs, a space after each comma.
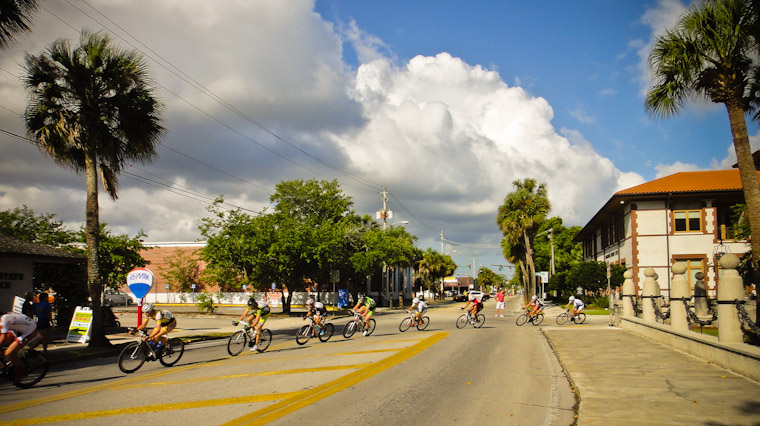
{"points": [[418, 307], [578, 305], [15, 329], [317, 309]]}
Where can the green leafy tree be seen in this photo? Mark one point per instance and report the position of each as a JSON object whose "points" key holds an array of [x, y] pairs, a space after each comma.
{"points": [[590, 276], [712, 53], [117, 255], [15, 20], [182, 271], [91, 109], [433, 267], [519, 219], [566, 251], [489, 280], [23, 224]]}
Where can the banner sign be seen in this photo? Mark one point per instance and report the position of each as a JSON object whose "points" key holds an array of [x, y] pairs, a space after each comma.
{"points": [[342, 298], [273, 299], [140, 281], [79, 330], [18, 304]]}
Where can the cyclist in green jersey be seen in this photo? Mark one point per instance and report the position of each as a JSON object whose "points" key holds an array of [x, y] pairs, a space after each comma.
{"points": [[365, 307], [255, 315], [165, 322]]}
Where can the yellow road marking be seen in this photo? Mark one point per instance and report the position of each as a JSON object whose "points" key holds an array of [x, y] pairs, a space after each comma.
{"points": [[238, 376], [368, 352], [282, 408], [155, 408]]}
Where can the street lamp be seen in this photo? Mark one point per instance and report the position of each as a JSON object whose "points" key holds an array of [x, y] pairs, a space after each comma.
{"points": [[403, 222]]}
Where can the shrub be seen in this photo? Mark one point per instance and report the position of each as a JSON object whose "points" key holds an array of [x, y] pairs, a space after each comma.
{"points": [[206, 303]]}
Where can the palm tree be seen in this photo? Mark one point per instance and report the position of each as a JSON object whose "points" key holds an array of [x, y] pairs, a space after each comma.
{"points": [[91, 109], [519, 218], [713, 53], [15, 18]]}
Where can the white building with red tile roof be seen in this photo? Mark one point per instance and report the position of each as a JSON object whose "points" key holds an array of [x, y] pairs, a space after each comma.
{"points": [[684, 217]]}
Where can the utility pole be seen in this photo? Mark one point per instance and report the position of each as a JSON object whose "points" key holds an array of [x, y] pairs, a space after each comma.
{"points": [[384, 213]]}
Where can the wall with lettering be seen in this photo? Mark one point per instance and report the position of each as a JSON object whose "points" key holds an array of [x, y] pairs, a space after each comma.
{"points": [[15, 280]]}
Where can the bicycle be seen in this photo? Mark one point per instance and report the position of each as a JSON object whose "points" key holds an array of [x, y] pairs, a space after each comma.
{"points": [[246, 336], [412, 321], [527, 317], [36, 364], [477, 321], [357, 323], [567, 316], [308, 331], [134, 355]]}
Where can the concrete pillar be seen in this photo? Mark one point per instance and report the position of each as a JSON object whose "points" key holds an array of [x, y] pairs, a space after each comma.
{"points": [[730, 288], [679, 295], [700, 295], [650, 290], [629, 294]]}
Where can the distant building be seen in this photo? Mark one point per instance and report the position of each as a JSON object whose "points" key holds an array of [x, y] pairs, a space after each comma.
{"points": [[684, 217], [159, 255], [17, 259]]}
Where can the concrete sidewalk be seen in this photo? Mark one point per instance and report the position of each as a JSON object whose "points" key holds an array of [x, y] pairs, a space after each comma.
{"points": [[624, 379]]}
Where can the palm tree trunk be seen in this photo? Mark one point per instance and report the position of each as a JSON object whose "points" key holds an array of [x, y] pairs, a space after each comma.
{"points": [[530, 264], [750, 184], [92, 235]]}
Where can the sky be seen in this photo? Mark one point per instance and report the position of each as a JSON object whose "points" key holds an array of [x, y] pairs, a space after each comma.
{"points": [[443, 104]]}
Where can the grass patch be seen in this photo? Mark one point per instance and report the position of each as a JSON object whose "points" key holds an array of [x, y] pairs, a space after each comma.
{"points": [[596, 311], [711, 331]]}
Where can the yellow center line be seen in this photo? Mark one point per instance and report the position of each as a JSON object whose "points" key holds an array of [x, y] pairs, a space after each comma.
{"points": [[149, 409], [285, 407], [239, 376], [367, 352]]}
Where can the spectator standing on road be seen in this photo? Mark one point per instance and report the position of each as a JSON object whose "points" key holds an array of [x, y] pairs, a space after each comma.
{"points": [[500, 303], [44, 314]]}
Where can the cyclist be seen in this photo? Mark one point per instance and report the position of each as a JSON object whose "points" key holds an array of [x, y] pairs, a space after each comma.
{"points": [[365, 306], [317, 309], [165, 322], [477, 305], [418, 307], [578, 305], [255, 315], [15, 330], [535, 306]]}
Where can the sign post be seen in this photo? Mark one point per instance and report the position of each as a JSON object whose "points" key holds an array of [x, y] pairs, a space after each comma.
{"points": [[79, 329], [140, 281]]}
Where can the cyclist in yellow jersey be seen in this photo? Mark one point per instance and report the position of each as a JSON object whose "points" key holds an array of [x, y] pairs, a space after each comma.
{"points": [[255, 315], [165, 322]]}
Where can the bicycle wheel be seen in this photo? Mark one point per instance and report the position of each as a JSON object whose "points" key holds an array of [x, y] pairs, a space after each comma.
{"points": [[423, 323], [132, 357], [36, 367], [580, 318], [303, 335], [349, 329], [405, 324], [522, 319], [172, 353], [479, 321], [371, 327], [462, 321], [562, 318], [264, 340], [327, 332], [237, 342], [538, 319]]}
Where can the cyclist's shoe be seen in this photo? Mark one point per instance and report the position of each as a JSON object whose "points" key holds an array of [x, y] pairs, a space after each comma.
{"points": [[254, 348], [20, 374], [235, 322], [251, 344], [364, 333]]}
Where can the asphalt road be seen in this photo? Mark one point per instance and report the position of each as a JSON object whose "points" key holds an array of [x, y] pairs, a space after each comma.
{"points": [[499, 374]]}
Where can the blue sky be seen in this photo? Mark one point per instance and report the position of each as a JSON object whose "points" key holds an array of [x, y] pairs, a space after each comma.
{"points": [[445, 104]]}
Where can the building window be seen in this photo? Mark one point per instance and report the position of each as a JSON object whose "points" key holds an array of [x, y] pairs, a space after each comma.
{"points": [[692, 267], [688, 220]]}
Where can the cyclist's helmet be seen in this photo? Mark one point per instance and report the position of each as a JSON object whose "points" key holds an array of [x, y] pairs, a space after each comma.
{"points": [[572, 298], [534, 297], [252, 303], [309, 301], [147, 308], [360, 296], [416, 300]]}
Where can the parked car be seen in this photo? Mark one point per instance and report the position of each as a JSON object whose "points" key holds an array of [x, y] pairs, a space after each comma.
{"points": [[460, 297], [116, 297], [479, 294]]}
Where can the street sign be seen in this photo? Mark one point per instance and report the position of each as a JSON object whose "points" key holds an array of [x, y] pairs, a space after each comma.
{"points": [[79, 330], [274, 286]]}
